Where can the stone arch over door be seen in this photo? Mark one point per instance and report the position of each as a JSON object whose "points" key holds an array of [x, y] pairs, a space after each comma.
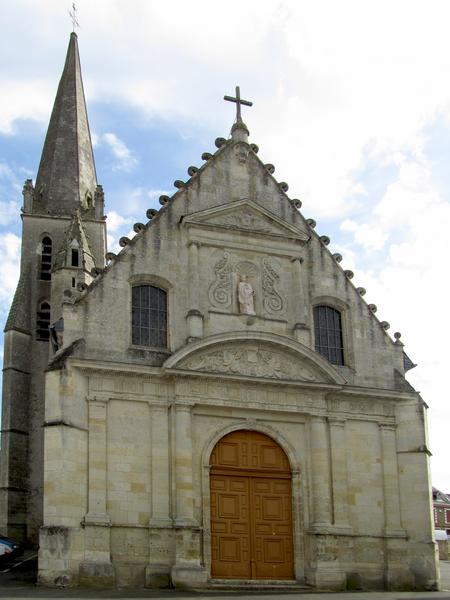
{"points": [[250, 508]]}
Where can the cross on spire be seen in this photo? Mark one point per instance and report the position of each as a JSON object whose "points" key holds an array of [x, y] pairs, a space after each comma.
{"points": [[73, 16], [238, 102]]}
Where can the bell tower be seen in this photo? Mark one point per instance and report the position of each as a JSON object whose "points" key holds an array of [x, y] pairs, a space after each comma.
{"points": [[63, 241]]}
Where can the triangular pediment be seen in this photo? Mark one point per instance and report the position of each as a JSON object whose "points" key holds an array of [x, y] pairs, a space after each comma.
{"points": [[245, 215]]}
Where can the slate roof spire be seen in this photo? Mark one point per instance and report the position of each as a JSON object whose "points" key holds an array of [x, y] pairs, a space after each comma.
{"points": [[66, 178]]}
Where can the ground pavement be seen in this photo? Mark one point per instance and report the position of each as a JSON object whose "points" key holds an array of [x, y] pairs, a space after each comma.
{"points": [[18, 584]]}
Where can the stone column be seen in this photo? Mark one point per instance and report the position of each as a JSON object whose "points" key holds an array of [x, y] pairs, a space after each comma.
{"points": [[157, 572], [339, 473], [194, 316], [96, 569], [320, 472], [302, 331], [188, 570], [391, 492]]}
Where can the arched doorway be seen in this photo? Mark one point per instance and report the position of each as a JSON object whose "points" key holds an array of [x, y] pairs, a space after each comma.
{"points": [[251, 508]]}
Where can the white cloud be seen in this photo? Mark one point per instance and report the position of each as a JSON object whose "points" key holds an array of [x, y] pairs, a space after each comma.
{"points": [[367, 236], [116, 221], [8, 212], [126, 159], [10, 245], [410, 286]]}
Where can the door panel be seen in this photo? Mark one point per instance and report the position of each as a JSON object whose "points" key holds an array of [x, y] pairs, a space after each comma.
{"points": [[251, 514], [272, 528], [230, 527]]}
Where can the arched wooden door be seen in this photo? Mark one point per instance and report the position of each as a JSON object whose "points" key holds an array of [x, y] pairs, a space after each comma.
{"points": [[251, 508]]}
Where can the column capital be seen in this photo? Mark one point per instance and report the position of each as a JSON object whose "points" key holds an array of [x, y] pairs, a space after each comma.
{"points": [[194, 243]]}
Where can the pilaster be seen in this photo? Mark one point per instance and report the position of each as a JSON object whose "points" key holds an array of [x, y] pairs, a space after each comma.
{"points": [[187, 570], [339, 474], [96, 569], [157, 572]]}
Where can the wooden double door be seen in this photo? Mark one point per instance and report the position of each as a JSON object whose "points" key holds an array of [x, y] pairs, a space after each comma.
{"points": [[251, 509]]}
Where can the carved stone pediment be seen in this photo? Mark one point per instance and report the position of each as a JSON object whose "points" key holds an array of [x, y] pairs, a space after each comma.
{"points": [[251, 358], [245, 215]]}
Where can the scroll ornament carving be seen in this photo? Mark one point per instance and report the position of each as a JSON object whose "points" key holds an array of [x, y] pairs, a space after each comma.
{"points": [[253, 362], [272, 301], [220, 291]]}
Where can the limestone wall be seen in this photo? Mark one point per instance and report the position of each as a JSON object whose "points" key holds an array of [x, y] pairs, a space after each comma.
{"points": [[127, 478]]}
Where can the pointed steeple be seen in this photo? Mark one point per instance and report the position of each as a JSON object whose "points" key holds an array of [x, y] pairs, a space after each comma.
{"points": [[66, 179]]}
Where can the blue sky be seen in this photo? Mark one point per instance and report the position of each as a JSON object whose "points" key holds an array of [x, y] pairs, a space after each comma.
{"points": [[351, 104]]}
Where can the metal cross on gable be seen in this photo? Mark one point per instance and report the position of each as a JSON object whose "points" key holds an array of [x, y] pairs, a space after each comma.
{"points": [[238, 102]]}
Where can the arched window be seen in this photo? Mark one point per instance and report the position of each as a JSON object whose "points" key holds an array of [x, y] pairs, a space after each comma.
{"points": [[149, 316], [46, 259], [43, 321], [328, 334]]}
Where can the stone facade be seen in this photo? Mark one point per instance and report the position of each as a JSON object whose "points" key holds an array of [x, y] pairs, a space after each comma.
{"points": [[129, 429]]}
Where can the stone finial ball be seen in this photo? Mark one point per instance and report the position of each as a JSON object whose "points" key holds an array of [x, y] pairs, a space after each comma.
{"points": [[361, 291], [206, 155], [220, 142], [311, 223], [192, 170], [178, 183], [255, 148], [124, 241], [397, 335], [297, 203], [163, 200], [270, 168], [151, 212], [110, 256], [325, 239], [385, 325], [349, 274], [373, 308], [283, 186], [337, 257]]}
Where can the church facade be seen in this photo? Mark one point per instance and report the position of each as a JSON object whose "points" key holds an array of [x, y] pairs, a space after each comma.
{"points": [[214, 404]]}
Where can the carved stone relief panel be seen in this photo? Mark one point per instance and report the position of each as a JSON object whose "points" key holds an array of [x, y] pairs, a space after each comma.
{"points": [[246, 219], [244, 286], [221, 289], [253, 360]]}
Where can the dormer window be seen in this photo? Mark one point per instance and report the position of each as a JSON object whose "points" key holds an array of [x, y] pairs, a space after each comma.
{"points": [[75, 257], [46, 259]]}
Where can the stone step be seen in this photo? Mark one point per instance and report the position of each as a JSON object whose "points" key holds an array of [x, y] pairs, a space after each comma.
{"points": [[259, 585]]}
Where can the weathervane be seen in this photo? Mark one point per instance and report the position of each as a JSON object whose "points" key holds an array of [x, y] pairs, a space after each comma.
{"points": [[238, 102], [73, 16]]}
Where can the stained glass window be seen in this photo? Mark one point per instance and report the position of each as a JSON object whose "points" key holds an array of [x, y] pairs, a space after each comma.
{"points": [[328, 334], [149, 316]]}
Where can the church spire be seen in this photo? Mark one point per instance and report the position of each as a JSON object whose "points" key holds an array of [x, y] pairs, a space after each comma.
{"points": [[66, 178]]}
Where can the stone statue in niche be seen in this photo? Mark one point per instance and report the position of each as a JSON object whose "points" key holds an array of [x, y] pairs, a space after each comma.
{"points": [[246, 296]]}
